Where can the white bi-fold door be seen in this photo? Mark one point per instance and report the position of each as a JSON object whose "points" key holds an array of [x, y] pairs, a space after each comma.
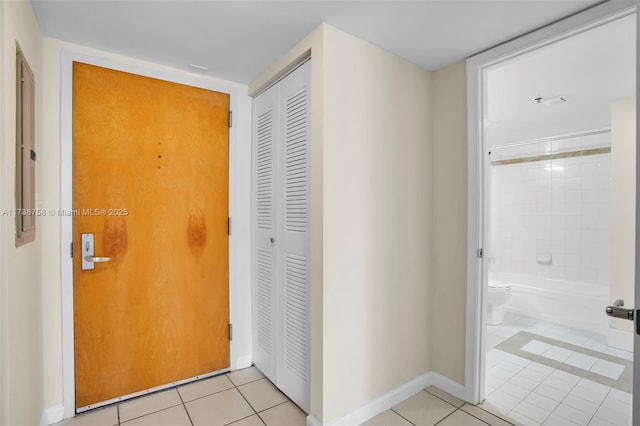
{"points": [[281, 233]]}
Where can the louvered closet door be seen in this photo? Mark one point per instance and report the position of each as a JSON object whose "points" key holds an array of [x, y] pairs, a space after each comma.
{"points": [[265, 137], [281, 234], [293, 246]]}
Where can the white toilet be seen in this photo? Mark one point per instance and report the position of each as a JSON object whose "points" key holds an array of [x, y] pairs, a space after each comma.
{"points": [[499, 293]]}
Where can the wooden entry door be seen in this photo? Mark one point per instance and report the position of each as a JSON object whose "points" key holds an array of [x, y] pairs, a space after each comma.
{"points": [[150, 181]]}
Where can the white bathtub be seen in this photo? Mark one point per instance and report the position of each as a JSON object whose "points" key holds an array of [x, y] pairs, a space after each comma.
{"points": [[569, 303]]}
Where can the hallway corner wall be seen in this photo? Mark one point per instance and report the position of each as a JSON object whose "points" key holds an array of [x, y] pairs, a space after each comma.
{"points": [[449, 272], [377, 214], [21, 275]]}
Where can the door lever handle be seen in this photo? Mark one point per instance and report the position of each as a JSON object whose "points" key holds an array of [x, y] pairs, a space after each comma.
{"points": [[88, 258], [97, 259], [617, 311]]}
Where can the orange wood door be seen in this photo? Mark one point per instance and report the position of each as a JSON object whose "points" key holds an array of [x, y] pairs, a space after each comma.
{"points": [[150, 181]]}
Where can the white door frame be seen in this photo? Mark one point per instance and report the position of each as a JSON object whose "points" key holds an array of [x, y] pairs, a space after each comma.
{"points": [[477, 172], [67, 57], [635, 407]]}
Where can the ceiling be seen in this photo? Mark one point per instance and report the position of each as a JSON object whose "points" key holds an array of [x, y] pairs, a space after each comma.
{"points": [[591, 70], [237, 40]]}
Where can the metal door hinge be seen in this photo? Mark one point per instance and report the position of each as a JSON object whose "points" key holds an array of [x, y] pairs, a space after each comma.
{"points": [[230, 118], [71, 249], [228, 226], [230, 332], [480, 253]]}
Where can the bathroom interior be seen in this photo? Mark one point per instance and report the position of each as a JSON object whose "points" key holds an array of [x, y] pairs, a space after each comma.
{"points": [[559, 139]]}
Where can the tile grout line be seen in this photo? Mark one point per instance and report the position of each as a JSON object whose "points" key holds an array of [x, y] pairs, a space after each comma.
{"points": [[391, 409], [449, 415], [261, 419], [246, 383], [246, 417], [255, 412], [184, 406], [460, 408], [152, 412], [523, 398], [268, 408], [274, 406], [442, 399], [599, 405], [243, 397], [209, 394], [476, 417], [489, 412]]}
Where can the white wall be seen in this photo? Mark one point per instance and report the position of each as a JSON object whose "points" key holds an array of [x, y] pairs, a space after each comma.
{"points": [[559, 207], [623, 205], [20, 279], [377, 217], [4, 321], [449, 204], [53, 286]]}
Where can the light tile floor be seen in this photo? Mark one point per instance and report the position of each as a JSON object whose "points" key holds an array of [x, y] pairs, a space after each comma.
{"points": [[240, 398], [540, 373], [246, 398], [435, 407]]}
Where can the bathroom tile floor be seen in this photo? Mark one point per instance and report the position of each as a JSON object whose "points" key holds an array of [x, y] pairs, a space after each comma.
{"points": [[540, 373], [246, 398]]}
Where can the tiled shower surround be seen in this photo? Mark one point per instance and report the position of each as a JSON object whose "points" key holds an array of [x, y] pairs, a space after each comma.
{"points": [[551, 218]]}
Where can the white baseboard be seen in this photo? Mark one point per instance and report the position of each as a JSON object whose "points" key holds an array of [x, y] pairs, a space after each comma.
{"points": [[384, 402], [394, 397], [52, 415], [312, 421], [244, 362], [448, 385]]}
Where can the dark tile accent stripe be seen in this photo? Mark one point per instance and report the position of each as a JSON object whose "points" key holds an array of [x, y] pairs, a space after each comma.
{"points": [[514, 344], [555, 156]]}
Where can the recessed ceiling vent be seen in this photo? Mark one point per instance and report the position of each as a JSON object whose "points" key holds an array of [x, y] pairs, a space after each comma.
{"points": [[551, 101]]}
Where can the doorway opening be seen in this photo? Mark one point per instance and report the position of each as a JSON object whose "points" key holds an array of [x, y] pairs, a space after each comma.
{"points": [[557, 161]]}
